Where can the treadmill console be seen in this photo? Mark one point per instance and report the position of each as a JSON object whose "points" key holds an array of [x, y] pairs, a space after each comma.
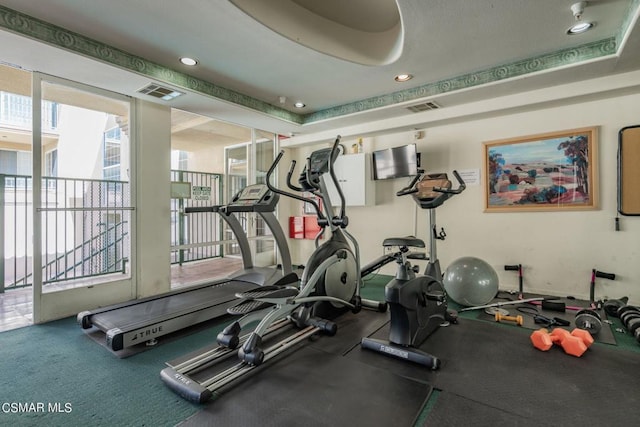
{"points": [[253, 198]]}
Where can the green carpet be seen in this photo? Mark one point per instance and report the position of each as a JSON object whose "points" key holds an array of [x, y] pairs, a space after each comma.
{"points": [[56, 363]]}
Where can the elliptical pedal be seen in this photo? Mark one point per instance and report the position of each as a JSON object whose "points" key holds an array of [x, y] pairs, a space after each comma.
{"points": [[251, 300], [268, 292], [247, 306]]}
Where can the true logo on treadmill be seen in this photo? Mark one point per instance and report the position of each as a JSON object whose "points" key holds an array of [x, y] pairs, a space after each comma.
{"points": [[147, 333], [182, 379]]}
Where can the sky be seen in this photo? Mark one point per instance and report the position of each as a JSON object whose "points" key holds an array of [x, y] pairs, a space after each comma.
{"points": [[533, 151]]}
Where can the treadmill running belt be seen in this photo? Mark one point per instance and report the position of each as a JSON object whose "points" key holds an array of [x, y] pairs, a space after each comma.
{"points": [[148, 312]]}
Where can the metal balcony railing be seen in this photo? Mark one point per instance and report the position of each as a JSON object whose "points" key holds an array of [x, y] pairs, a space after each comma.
{"points": [[192, 236], [85, 229]]}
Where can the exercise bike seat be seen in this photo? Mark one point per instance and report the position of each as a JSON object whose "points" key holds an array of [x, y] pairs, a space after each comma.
{"points": [[404, 241]]}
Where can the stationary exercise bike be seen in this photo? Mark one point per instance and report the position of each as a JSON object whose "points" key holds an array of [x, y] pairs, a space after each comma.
{"points": [[330, 283], [418, 303]]}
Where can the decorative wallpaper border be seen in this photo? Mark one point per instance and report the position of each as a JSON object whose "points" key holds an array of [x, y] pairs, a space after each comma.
{"points": [[56, 36], [631, 10], [544, 62], [34, 28]]}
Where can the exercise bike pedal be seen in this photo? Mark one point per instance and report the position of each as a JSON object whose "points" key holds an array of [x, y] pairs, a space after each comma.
{"points": [[435, 296], [269, 292]]}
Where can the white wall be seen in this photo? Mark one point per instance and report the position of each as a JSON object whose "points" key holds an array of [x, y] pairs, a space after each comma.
{"points": [[557, 249], [153, 269]]}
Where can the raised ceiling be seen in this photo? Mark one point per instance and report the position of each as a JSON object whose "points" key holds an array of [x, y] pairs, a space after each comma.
{"points": [[459, 52], [366, 32]]}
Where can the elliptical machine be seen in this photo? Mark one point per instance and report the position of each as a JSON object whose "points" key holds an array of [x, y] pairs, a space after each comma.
{"points": [[418, 304], [330, 283]]}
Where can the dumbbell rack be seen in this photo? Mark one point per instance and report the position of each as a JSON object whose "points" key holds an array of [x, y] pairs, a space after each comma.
{"points": [[629, 315]]}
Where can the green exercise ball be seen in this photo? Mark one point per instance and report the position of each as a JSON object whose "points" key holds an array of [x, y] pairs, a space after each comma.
{"points": [[470, 281]]}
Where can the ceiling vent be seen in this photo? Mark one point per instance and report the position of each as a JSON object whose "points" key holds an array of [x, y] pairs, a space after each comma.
{"points": [[161, 92], [425, 106]]}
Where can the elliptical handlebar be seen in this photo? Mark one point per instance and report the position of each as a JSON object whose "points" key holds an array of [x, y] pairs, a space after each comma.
{"points": [[286, 193], [340, 220], [334, 154], [289, 175], [309, 178]]}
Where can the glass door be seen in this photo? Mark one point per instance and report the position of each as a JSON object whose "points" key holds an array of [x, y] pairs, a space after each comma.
{"points": [[236, 177], [82, 198], [265, 248], [246, 164]]}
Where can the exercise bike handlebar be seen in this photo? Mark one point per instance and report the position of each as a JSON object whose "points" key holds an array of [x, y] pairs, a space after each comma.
{"points": [[460, 189], [443, 194], [410, 189]]}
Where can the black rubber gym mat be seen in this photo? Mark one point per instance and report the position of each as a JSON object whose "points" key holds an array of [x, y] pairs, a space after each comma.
{"points": [[496, 365], [314, 388], [351, 329], [453, 410]]}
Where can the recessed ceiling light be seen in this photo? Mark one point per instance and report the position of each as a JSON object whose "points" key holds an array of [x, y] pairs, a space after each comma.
{"points": [[403, 77], [580, 28], [577, 9], [299, 104], [188, 61]]}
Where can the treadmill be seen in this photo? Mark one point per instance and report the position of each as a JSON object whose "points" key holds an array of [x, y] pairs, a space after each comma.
{"points": [[144, 320]]}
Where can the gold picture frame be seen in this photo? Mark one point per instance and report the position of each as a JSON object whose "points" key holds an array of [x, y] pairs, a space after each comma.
{"points": [[545, 172]]}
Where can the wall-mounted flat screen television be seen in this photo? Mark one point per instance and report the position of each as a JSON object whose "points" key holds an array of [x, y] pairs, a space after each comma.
{"points": [[396, 162]]}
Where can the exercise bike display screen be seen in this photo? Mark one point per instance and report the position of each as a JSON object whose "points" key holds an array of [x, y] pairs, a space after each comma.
{"points": [[396, 162]]}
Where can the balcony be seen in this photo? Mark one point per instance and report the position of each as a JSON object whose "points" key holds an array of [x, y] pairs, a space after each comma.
{"points": [[15, 113]]}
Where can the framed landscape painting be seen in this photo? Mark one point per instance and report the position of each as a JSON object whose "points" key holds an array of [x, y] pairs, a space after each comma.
{"points": [[546, 172]]}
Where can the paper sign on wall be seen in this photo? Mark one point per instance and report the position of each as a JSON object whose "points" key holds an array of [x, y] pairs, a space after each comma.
{"points": [[201, 193], [470, 176]]}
